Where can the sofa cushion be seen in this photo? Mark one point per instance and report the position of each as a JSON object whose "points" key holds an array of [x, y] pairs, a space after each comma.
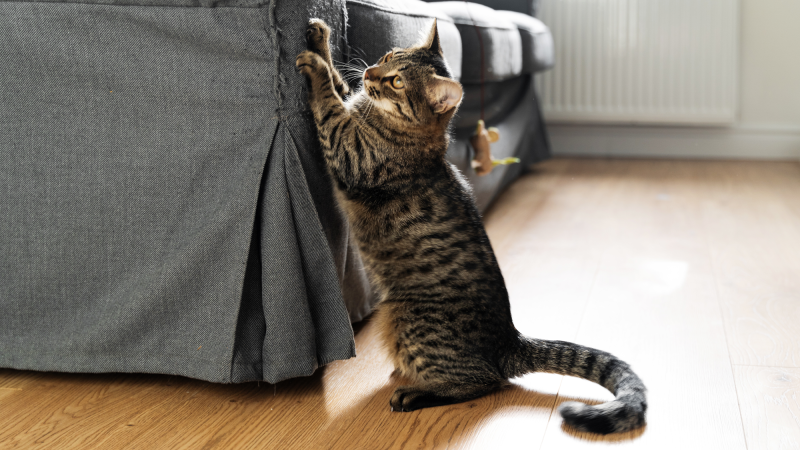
{"points": [[499, 98], [502, 45], [537, 42], [528, 7], [377, 26]]}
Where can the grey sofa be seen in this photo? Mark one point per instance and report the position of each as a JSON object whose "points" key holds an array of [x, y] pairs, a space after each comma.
{"points": [[163, 204]]}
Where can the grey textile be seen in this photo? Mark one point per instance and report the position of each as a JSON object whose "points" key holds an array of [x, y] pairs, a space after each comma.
{"points": [[529, 7], [498, 99], [538, 53], [169, 3], [502, 45], [522, 135], [376, 26], [164, 204]]}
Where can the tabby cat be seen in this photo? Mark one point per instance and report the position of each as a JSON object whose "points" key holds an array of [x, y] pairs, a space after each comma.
{"points": [[444, 316]]}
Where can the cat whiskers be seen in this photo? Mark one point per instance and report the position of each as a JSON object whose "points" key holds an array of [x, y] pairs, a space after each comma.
{"points": [[365, 115], [351, 72], [354, 78], [359, 60], [364, 112]]}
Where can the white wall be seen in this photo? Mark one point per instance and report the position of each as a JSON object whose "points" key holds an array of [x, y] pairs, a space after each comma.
{"points": [[768, 125], [770, 63]]}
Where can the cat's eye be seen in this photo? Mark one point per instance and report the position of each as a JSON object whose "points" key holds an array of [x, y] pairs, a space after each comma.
{"points": [[388, 57], [397, 83]]}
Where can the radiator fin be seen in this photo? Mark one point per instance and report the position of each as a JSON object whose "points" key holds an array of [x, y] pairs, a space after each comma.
{"points": [[642, 61]]}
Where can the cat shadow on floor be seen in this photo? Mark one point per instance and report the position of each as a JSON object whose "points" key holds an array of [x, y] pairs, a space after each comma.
{"points": [[616, 437], [369, 423]]}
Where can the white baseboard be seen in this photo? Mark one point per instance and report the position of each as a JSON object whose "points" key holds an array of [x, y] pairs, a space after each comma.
{"points": [[675, 142]]}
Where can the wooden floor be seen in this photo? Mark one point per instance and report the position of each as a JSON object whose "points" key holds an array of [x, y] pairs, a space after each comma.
{"points": [[690, 271]]}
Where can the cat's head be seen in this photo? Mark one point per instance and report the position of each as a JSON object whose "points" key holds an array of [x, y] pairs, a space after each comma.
{"points": [[413, 84]]}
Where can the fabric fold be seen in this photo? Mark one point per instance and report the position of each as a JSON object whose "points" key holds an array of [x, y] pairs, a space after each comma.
{"points": [[306, 322], [334, 334]]}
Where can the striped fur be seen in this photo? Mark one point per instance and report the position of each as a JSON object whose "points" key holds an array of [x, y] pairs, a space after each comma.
{"points": [[445, 316]]}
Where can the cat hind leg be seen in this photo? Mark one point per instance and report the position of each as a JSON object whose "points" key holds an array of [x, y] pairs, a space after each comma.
{"points": [[426, 395]]}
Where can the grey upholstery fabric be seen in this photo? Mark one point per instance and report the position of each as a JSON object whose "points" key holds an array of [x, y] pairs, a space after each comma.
{"points": [[376, 26], [498, 99], [529, 7], [169, 3], [502, 45], [164, 204], [521, 134], [538, 53]]}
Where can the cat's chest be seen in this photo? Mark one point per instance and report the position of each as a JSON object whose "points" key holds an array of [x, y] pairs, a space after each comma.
{"points": [[390, 330], [370, 225]]}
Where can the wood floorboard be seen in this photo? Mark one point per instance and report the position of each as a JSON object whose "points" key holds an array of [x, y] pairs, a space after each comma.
{"points": [[688, 270], [754, 233], [770, 402], [670, 329], [654, 304], [75, 410], [18, 379]]}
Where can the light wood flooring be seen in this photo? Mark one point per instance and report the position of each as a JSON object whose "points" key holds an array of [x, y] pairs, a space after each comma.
{"points": [[689, 270]]}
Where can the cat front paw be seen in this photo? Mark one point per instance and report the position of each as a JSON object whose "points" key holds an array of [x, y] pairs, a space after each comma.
{"points": [[309, 62], [317, 35]]}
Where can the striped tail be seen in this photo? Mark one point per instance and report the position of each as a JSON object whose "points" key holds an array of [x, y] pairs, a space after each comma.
{"points": [[625, 412]]}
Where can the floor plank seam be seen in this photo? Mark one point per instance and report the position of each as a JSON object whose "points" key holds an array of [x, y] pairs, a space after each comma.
{"points": [[552, 410], [589, 294], [714, 273], [765, 367], [554, 407]]}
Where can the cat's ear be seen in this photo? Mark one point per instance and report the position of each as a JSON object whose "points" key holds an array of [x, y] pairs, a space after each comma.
{"points": [[444, 94], [432, 41]]}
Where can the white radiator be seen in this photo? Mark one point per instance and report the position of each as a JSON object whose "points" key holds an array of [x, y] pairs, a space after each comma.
{"points": [[642, 61]]}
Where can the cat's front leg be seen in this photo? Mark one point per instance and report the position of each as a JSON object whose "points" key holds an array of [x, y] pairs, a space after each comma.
{"points": [[318, 36], [322, 98], [334, 124], [342, 144]]}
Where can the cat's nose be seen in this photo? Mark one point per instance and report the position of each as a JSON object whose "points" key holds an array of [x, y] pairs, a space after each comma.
{"points": [[371, 74]]}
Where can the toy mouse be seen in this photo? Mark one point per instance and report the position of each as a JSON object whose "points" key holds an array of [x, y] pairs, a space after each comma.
{"points": [[481, 141]]}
